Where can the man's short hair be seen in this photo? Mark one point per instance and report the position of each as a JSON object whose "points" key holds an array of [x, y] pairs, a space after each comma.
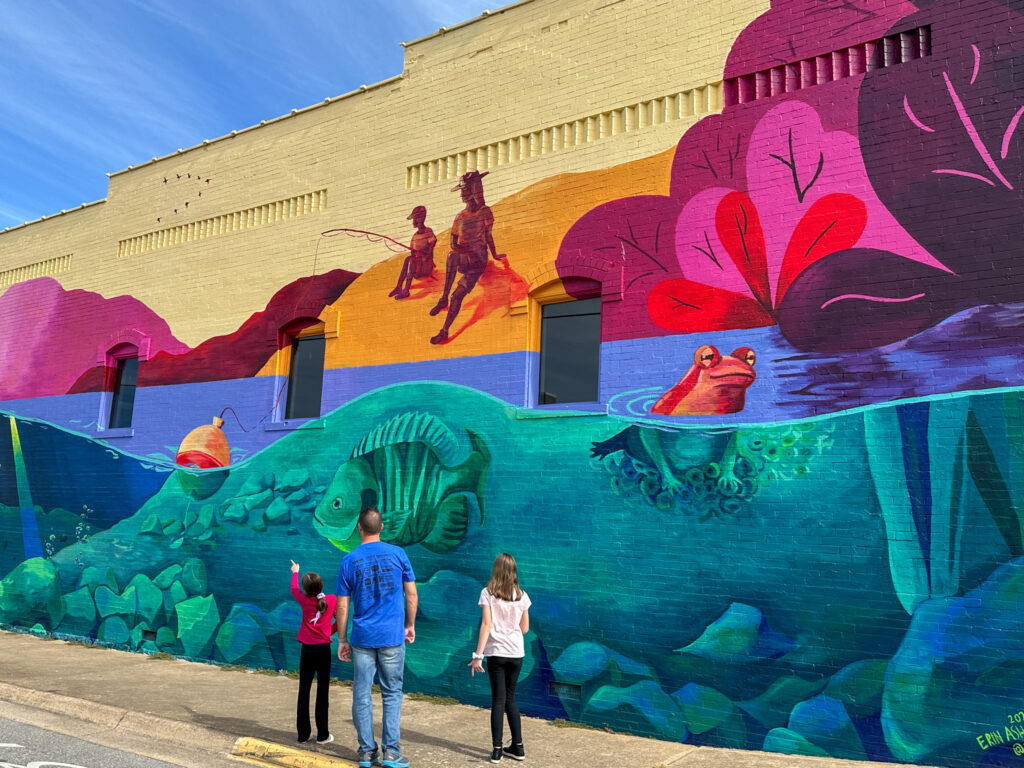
{"points": [[370, 521]]}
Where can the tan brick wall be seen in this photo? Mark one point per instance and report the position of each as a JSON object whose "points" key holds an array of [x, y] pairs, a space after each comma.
{"points": [[536, 64]]}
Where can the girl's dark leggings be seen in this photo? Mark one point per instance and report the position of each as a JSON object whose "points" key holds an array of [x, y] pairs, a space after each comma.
{"points": [[504, 673], [314, 660]]}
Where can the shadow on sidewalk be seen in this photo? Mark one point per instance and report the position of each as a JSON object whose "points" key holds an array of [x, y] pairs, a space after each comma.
{"points": [[343, 734]]}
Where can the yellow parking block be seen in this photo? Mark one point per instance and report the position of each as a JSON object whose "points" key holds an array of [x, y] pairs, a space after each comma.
{"points": [[263, 752]]}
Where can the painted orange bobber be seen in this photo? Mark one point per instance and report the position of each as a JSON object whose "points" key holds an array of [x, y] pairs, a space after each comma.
{"points": [[205, 447]]}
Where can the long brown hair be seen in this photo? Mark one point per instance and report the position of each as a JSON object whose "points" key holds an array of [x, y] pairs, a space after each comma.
{"points": [[504, 583], [313, 585]]}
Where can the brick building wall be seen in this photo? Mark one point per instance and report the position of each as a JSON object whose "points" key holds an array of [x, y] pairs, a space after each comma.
{"points": [[788, 519]]}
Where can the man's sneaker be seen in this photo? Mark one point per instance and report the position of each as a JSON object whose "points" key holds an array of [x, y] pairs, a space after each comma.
{"points": [[368, 759], [395, 762], [328, 740], [496, 755], [515, 751]]}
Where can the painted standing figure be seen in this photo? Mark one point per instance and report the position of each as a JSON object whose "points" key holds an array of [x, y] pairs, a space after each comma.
{"points": [[471, 241], [420, 262]]}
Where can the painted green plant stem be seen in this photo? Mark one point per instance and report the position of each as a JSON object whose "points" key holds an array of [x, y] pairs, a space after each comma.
{"points": [[947, 477], [29, 527], [883, 440]]}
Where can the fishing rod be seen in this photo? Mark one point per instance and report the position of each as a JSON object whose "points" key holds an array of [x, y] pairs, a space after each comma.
{"points": [[373, 237]]}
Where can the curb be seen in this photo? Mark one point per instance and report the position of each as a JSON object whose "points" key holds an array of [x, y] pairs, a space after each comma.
{"points": [[169, 730], [119, 719], [269, 753]]}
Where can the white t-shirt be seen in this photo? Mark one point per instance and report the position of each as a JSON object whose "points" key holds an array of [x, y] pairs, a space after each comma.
{"points": [[506, 639]]}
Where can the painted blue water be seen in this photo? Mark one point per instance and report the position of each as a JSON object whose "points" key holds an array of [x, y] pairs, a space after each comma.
{"points": [[69, 471], [977, 349]]}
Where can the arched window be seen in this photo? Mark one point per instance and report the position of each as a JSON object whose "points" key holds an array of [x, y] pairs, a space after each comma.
{"points": [[306, 342], [121, 378], [568, 338]]}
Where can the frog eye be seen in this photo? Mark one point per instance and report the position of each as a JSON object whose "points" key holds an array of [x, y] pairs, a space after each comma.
{"points": [[747, 355], [706, 356], [337, 504]]}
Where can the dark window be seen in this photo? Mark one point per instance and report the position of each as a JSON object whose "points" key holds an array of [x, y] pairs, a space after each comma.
{"points": [[306, 378], [123, 401], [570, 343]]}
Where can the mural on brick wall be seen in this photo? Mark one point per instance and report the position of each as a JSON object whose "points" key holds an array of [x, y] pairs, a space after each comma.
{"points": [[881, 627], [798, 527], [848, 237]]}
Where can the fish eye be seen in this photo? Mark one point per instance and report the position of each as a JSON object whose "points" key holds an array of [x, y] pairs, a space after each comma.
{"points": [[751, 358], [337, 504]]}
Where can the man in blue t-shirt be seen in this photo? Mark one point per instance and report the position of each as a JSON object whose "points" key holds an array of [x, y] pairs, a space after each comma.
{"points": [[377, 579]]}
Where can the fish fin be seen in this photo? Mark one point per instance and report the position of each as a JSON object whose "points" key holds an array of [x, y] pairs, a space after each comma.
{"points": [[412, 427], [346, 545], [471, 475], [451, 527]]}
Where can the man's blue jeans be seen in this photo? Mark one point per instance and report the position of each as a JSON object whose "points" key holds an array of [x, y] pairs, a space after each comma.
{"points": [[389, 666]]}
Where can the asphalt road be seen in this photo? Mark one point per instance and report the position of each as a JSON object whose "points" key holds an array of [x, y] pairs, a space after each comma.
{"points": [[25, 746]]}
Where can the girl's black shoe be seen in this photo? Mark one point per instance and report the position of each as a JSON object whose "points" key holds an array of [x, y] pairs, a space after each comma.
{"points": [[496, 755], [515, 751]]}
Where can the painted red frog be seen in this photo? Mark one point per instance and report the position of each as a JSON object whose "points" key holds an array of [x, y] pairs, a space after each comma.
{"points": [[715, 384]]}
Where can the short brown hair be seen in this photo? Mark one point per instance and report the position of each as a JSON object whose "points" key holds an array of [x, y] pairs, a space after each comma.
{"points": [[370, 521]]}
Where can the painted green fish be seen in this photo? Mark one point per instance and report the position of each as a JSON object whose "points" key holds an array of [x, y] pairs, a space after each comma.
{"points": [[405, 467]]}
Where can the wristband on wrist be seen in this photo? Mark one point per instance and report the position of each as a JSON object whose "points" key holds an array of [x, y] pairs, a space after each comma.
{"points": [[478, 656]]}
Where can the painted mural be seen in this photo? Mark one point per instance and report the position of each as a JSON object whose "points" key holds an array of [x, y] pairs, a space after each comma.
{"points": [[792, 523], [884, 626]]}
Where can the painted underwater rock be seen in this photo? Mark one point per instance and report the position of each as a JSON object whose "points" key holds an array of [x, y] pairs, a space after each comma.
{"points": [[715, 384], [406, 468]]}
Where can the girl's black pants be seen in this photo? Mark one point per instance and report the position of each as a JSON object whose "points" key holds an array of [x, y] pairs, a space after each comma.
{"points": [[504, 673], [314, 660]]}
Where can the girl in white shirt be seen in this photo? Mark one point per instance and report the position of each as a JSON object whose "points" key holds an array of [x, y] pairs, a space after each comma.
{"points": [[504, 622]]}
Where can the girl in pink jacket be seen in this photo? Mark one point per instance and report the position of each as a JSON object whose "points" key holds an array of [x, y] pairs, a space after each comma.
{"points": [[315, 635]]}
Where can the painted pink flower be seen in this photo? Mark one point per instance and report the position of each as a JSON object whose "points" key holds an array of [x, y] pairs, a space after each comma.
{"points": [[807, 196]]}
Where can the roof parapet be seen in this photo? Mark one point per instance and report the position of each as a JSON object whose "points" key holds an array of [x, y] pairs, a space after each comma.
{"points": [[53, 215], [206, 142], [461, 24]]}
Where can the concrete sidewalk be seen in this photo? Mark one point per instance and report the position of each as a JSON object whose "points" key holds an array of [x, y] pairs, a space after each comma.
{"points": [[219, 711]]}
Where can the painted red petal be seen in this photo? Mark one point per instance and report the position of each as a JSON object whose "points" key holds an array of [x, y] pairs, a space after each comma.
{"points": [[687, 307], [739, 229], [833, 223]]}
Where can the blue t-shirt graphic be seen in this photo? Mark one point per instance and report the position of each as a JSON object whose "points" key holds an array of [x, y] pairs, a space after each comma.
{"points": [[373, 575]]}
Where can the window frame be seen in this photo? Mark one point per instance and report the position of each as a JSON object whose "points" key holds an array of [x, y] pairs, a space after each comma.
{"points": [[315, 321], [308, 334], [113, 360], [554, 292]]}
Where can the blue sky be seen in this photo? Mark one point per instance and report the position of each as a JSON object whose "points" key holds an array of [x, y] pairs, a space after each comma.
{"points": [[88, 88]]}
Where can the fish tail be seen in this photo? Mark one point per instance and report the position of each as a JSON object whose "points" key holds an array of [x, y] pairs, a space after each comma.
{"points": [[472, 473]]}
